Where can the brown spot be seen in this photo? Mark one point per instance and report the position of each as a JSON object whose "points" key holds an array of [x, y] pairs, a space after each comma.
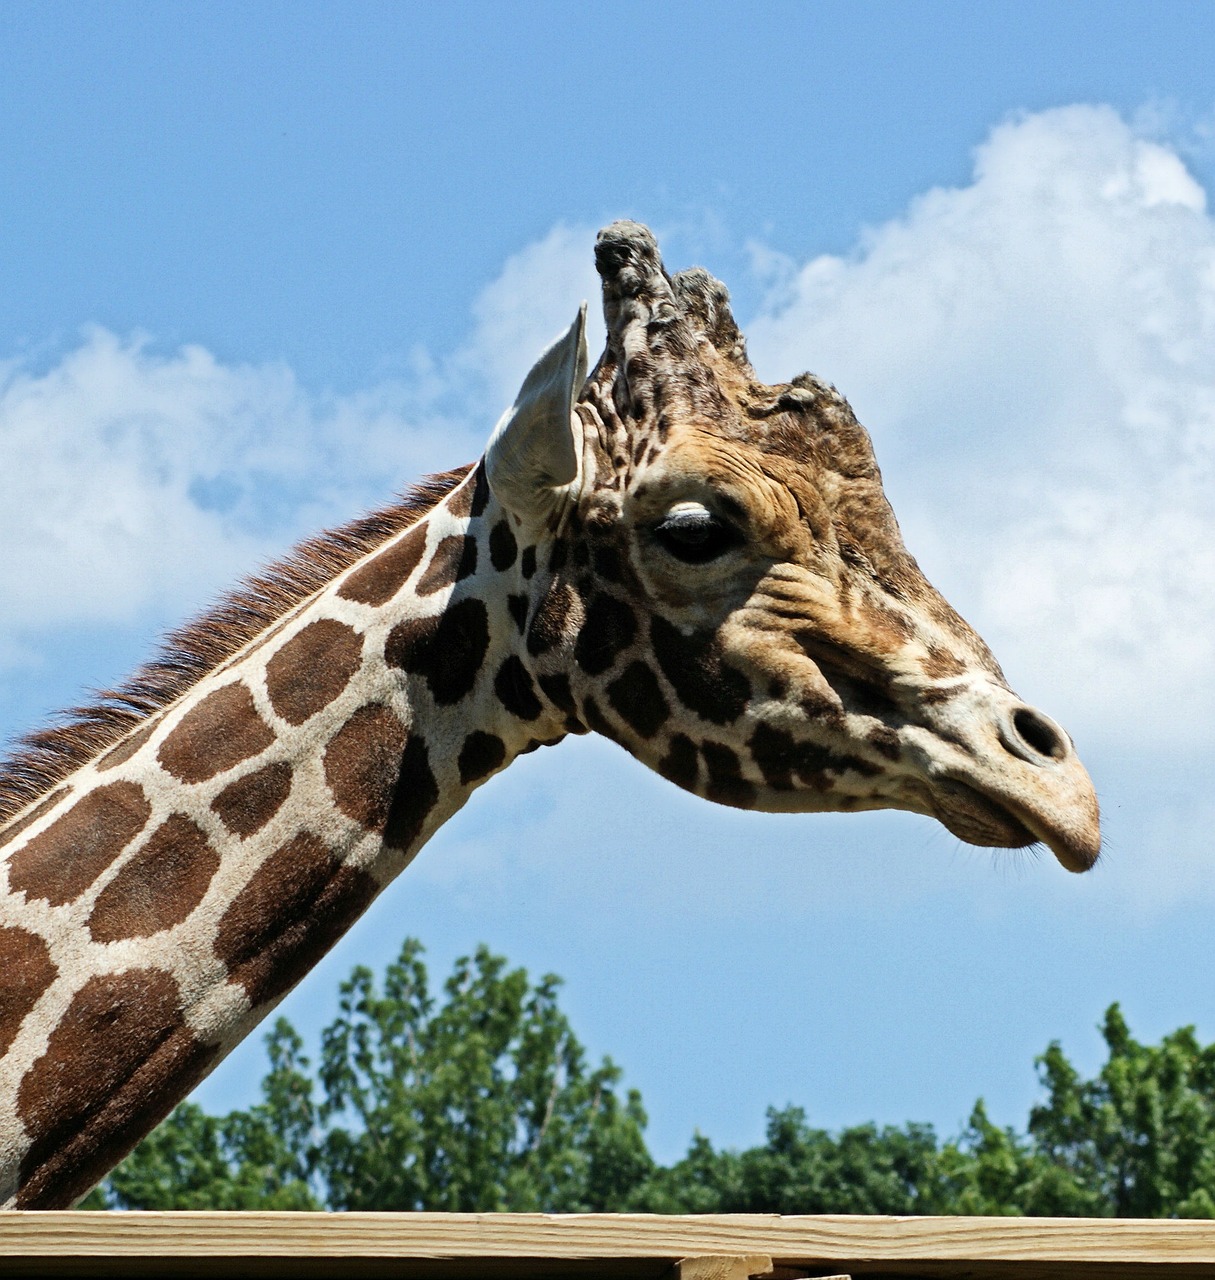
{"points": [[455, 557], [610, 626], [312, 668], [822, 704], [246, 805], [480, 493], [931, 696], [160, 885], [220, 732], [556, 688], [25, 962], [363, 762], [607, 563], [636, 697], [550, 623], [377, 581], [885, 741], [502, 546], [448, 649], [118, 1060], [598, 721], [128, 746], [61, 862], [515, 689], [461, 501], [416, 795], [697, 670], [294, 908], [888, 627], [782, 758], [480, 755], [30, 816], [725, 784], [940, 664], [517, 606]]}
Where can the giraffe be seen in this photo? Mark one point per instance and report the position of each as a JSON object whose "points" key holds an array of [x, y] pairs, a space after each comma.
{"points": [[700, 567]]}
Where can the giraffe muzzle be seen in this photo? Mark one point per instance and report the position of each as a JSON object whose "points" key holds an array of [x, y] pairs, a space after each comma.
{"points": [[1023, 783]]}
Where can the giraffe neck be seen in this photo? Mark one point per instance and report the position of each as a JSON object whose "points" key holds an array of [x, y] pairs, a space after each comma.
{"points": [[158, 903]]}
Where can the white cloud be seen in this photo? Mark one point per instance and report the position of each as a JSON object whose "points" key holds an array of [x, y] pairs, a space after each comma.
{"points": [[135, 481], [535, 297], [1035, 353]]}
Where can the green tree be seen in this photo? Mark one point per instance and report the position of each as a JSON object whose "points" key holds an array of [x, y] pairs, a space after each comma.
{"points": [[257, 1159], [480, 1101], [800, 1169], [1138, 1140]]}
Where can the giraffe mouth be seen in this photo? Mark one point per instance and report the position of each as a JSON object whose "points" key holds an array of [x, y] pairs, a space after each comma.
{"points": [[978, 819]]}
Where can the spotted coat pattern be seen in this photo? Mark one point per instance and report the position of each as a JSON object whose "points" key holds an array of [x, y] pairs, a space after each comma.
{"points": [[191, 865]]}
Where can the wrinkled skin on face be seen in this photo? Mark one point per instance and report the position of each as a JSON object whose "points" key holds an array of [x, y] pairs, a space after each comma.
{"points": [[731, 598]]}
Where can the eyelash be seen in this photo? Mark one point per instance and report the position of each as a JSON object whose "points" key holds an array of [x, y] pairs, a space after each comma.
{"points": [[696, 537]]}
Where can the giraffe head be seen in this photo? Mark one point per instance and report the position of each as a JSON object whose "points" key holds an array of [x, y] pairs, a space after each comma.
{"points": [[716, 581]]}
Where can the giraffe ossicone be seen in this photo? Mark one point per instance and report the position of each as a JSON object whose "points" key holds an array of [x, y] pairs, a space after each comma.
{"points": [[666, 551]]}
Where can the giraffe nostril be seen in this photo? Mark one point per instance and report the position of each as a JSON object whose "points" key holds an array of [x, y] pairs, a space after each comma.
{"points": [[1035, 737]]}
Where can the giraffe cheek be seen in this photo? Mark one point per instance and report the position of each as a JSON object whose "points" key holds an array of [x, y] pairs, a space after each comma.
{"points": [[681, 764], [725, 783], [697, 670], [515, 690], [552, 620], [610, 627], [637, 698]]}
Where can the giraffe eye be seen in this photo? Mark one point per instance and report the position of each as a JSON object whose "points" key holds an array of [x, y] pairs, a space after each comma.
{"points": [[695, 535]]}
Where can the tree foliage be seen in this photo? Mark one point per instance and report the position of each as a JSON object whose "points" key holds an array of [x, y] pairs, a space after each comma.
{"points": [[482, 1099]]}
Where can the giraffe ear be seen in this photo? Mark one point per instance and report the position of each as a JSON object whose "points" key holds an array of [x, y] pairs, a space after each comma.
{"points": [[536, 447]]}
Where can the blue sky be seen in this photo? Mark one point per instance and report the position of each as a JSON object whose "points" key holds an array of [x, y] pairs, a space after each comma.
{"points": [[262, 266]]}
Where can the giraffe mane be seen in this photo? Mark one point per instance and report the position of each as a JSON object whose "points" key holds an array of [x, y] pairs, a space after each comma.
{"points": [[40, 760]]}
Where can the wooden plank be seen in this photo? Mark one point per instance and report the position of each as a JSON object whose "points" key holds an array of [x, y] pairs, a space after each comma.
{"points": [[716, 1266], [299, 1245]]}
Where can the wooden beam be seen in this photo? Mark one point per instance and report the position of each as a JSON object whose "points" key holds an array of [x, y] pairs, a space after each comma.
{"points": [[629, 1246], [718, 1266]]}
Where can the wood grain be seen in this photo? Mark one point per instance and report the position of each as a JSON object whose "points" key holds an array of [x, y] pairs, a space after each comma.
{"points": [[750, 1266], [425, 1245]]}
